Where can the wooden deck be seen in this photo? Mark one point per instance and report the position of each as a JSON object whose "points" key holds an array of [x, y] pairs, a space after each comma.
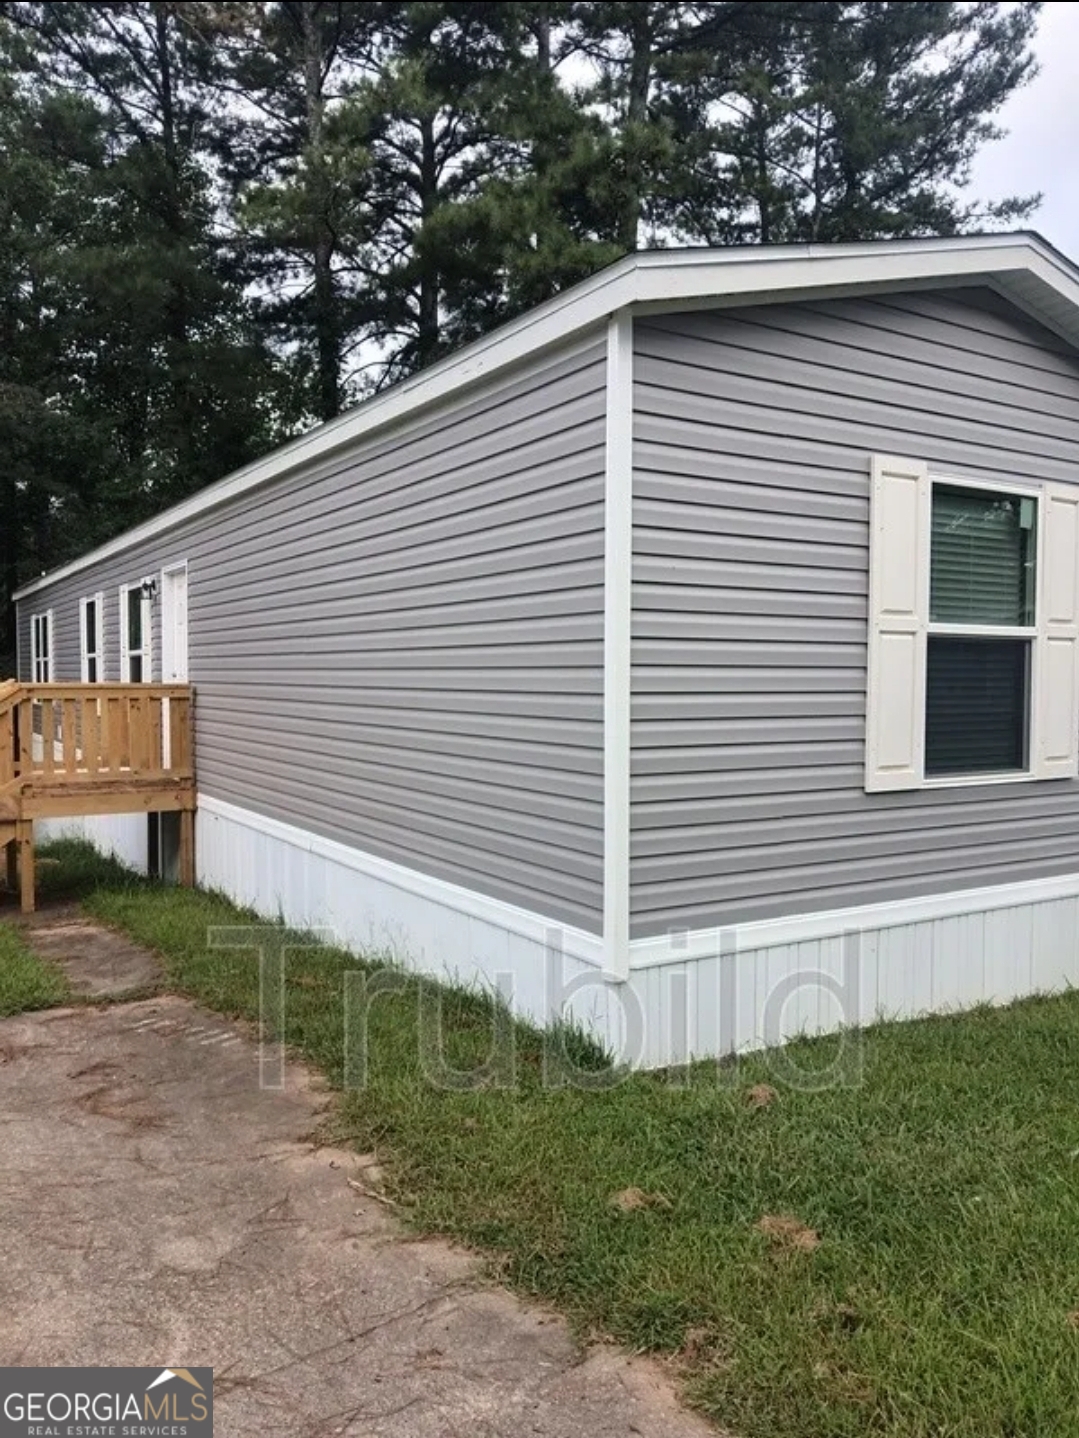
{"points": [[71, 749]]}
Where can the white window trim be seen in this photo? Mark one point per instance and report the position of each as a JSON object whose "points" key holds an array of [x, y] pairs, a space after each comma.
{"points": [[97, 650], [914, 623], [41, 663], [1030, 632], [147, 650]]}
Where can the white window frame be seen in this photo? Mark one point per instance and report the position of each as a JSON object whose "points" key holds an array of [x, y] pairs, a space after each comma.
{"points": [[899, 629], [147, 650], [92, 646], [1029, 632], [41, 626]]}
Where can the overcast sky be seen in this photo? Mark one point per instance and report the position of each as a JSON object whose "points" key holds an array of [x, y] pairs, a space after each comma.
{"points": [[1041, 150]]}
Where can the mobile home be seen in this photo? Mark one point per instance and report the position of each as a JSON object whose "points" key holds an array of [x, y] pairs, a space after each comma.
{"points": [[696, 654]]}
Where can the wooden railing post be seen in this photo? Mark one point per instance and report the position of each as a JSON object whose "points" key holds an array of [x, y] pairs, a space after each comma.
{"points": [[25, 831], [180, 733], [26, 737], [9, 742]]}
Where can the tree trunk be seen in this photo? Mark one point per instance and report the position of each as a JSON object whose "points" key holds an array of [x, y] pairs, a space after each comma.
{"points": [[760, 146], [177, 326], [542, 33], [639, 89], [326, 318], [428, 328], [10, 535]]}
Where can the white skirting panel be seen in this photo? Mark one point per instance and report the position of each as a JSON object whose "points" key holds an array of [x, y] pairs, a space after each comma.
{"points": [[377, 907], [698, 994], [758, 985], [124, 836]]}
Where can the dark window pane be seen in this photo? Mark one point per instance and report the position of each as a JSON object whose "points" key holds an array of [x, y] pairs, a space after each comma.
{"points": [[134, 619], [977, 702], [982, 558], [136, 669], [91, 669]]}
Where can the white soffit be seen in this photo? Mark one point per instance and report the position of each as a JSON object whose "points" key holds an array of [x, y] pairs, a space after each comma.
{"points": [[1022, 267]]}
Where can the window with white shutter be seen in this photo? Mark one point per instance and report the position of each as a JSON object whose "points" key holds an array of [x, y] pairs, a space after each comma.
{"points": [[974, 630]]}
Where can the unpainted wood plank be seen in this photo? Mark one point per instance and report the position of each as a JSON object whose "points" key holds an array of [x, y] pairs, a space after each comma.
{"points": [[180, 733], [26, 736], [187, 848], [129, 801], [138, 733], [90, 730], [69, 733], [26, 865], [155, 757], [117, 733], [48, 737]]}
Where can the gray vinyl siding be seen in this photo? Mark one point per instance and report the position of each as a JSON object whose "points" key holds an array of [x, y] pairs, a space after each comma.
{"points": [[753, 432], [400, 647]]}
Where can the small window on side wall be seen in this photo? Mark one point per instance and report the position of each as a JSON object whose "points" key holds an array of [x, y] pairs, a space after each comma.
{"points": [[41, 647], [135, 619], [974, 630], [92, 638]]}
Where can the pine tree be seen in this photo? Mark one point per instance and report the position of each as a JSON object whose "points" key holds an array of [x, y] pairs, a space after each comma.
{"points": [[219, 221], [296, 167], [858, 121]]}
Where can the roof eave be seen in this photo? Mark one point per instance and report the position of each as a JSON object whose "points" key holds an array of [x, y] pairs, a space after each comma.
{"points": [[1022, 266]]}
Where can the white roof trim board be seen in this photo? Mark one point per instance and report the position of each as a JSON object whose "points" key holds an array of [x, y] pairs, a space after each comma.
{"points": [[1022, 267]]}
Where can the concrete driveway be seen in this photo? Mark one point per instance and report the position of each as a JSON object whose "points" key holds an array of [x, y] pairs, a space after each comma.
{"points": [[157, 1208]]}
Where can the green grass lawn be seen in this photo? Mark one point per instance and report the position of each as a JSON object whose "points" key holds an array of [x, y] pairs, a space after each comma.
{"points": [[942, 1297], [26, 982]]}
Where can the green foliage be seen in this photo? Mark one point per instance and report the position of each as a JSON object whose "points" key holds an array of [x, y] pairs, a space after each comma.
{"points": [[26, 982], [221, 221]]}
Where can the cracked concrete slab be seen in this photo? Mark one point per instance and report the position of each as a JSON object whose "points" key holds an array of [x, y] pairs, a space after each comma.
{"points": [[158, 1207]]}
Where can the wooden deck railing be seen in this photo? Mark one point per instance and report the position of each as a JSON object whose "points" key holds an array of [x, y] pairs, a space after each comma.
{"points": [[86, 735], [71, 749]]}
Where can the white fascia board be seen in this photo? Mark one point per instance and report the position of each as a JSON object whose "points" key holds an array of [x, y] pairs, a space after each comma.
{"points": [[552, 323], [1021, 266]]}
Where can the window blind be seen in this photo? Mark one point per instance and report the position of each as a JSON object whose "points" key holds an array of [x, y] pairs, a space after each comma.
{"points": [[976, 705], [982, 551]]}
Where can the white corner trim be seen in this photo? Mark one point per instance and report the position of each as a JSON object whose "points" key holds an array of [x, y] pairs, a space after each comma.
{"points": [[681, 947], [578, 943], [1022, 266], [617, 612]]}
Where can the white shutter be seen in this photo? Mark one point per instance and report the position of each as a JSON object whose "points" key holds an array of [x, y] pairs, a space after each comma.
{"points": [[125, 651], [1056, 712], [898, 616]]}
